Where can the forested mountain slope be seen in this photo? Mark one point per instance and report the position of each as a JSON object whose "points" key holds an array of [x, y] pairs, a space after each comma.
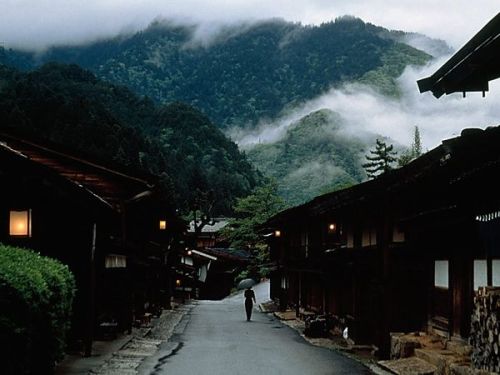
{"points": [[68, 105], [242, 74], [317, 155]]}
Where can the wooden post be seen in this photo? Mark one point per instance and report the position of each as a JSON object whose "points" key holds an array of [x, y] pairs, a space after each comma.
{"points": [[299, 291], [89, 336]]}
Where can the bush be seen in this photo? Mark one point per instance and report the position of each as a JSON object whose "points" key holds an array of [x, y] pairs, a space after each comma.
{"points": [[36, 295]]}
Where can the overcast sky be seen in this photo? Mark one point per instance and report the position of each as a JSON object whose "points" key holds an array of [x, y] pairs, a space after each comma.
{"points": [[38, 23], [35, 24]]}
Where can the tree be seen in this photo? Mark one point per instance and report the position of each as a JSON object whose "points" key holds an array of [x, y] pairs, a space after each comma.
{"points": [[202, 210], [414, 151], [253, 211], [417, 144], [381, 160]]}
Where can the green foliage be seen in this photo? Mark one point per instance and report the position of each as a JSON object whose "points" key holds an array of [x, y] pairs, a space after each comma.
{"points": [[243, 232], [381, 161], [246, 72], [68, 105], [394, 62], [36, 295], [253, 211], [204, 159], [314, 157]]}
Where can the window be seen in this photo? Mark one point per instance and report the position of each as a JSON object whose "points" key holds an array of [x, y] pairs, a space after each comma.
{"points": [[284, 282], [480, 273], [441, 274], [369, 237], [115, 261], [350, 239], [397, 234], [495, 263], [187, 260], [20, 223], [304, 243]]}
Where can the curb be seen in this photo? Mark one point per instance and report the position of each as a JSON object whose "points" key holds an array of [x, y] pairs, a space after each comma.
{"points": [[372, 366], [125, 358]]}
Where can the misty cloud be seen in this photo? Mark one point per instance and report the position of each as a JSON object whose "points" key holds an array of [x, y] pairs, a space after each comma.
{"points": [[38, 24], [323, 171], [364, 111]]}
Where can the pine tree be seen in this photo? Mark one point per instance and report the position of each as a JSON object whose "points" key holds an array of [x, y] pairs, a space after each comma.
{"points": [[381, 160], [417, 144], [414, 151]]}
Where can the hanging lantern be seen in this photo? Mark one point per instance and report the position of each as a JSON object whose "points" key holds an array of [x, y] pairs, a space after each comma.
{"points": [[163, 224], [20, 223]]}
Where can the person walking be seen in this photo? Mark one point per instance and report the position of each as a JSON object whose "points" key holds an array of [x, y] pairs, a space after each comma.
{"points": [[249, 300]]}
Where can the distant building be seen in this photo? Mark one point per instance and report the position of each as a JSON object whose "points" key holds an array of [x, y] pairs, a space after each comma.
{"points": [[217, 263], [203, 235]]}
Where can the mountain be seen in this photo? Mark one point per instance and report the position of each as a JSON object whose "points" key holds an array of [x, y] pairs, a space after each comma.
{"points": [[241, 75], [318, 154], [71, 106]]}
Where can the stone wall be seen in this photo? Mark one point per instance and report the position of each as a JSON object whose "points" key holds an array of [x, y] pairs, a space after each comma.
{"points": [[485, 330]]}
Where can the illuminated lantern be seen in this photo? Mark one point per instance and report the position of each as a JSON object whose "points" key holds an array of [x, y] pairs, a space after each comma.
{"points": [[331, 227], [20, 223], [177, 282], [163, 224], [277, 233]]}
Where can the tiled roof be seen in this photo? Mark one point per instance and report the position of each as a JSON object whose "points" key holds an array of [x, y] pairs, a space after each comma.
{"points": [[108, 185], [472, 67], [228, 253], [456, 161], [213, 227]]}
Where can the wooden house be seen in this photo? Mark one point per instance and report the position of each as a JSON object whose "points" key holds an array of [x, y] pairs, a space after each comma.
{"points": [[402, 252], [108, 224], [471, 68], [408, 250]]}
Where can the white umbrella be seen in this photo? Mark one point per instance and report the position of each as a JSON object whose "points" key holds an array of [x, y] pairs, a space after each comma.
{"points": [[246, 283]]}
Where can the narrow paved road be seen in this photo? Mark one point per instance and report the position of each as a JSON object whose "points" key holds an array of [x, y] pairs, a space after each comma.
{"points": [[216, 339]]}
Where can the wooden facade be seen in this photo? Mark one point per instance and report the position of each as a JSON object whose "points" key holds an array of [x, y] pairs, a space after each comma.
{"points": [[402, 252], [103, 222]]}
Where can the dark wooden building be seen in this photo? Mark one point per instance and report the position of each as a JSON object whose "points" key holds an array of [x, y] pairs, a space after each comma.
{"points": [[471, 68], [408, 250], [109, 225], [402, 252]]}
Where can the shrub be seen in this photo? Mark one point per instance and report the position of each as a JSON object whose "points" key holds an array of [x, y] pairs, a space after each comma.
{"points": [[36, 295]]}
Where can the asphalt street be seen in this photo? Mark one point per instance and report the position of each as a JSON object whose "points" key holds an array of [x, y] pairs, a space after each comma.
{"points": [[215, 338]]}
